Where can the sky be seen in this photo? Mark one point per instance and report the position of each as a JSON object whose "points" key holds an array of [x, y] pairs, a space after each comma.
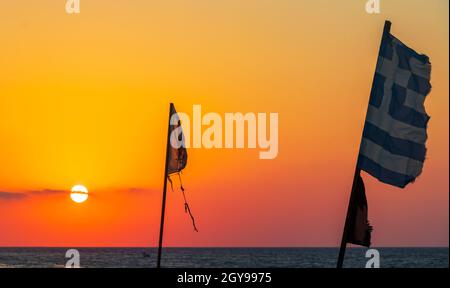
{"points": [[84, 99]]}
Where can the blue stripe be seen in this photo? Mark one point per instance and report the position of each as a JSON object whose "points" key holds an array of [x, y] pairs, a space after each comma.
{"points": [[419, 84], [383, 174], [386, 49], [377, 92], [405, 114], [394, 145]]}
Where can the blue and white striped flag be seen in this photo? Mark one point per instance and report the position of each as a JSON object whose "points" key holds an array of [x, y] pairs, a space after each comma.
{"points": [[393, 143]]}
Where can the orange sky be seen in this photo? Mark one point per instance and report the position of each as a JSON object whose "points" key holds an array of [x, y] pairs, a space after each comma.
{"points": [[84, 99]]}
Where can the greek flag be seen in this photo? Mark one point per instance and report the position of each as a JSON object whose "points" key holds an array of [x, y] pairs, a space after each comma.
{"points": [[393, 143]]}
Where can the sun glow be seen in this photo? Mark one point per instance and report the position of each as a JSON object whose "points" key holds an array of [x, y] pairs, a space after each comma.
{"points": [[79, 193]]}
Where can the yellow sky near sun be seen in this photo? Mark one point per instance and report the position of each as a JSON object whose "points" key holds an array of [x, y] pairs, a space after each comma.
{"points": [[84, 99]]}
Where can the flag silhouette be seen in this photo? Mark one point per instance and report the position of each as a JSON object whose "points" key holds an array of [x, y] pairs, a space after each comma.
{"points": [[176, 160], [177, 149], [359, 230], [395, 131], [393, 143]]}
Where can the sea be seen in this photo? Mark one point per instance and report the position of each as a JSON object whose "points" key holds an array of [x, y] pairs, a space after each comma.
{"points": [[222, 257]]}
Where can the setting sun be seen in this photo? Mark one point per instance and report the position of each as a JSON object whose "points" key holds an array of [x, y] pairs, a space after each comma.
{"points": [[79, 193]]}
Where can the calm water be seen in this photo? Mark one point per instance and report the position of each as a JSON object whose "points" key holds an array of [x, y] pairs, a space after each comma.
{"points": [[223, 257]]}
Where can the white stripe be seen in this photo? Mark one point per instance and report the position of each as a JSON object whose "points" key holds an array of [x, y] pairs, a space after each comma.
{"points": [[420, 69], [387, 160], [415, 101]]}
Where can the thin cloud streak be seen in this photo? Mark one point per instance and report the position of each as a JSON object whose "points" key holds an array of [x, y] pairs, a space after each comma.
{"points": [[15, 196], [18, 195], [141, 190], [12, 196]]}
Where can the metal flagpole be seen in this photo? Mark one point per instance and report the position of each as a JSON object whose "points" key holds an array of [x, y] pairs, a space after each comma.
{"points": [[386, 30], [163, 209]]}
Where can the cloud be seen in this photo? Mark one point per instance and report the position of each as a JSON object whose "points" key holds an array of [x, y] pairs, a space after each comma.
{"points": [[141, 190], [14, 196], [11, 196], [47, 192]]}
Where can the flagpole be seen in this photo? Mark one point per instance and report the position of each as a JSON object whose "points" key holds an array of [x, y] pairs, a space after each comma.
{"points": [[386, 30], [163, 209]]}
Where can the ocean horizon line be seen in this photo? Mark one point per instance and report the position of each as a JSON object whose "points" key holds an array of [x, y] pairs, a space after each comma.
{"points": [[232, 247]]}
